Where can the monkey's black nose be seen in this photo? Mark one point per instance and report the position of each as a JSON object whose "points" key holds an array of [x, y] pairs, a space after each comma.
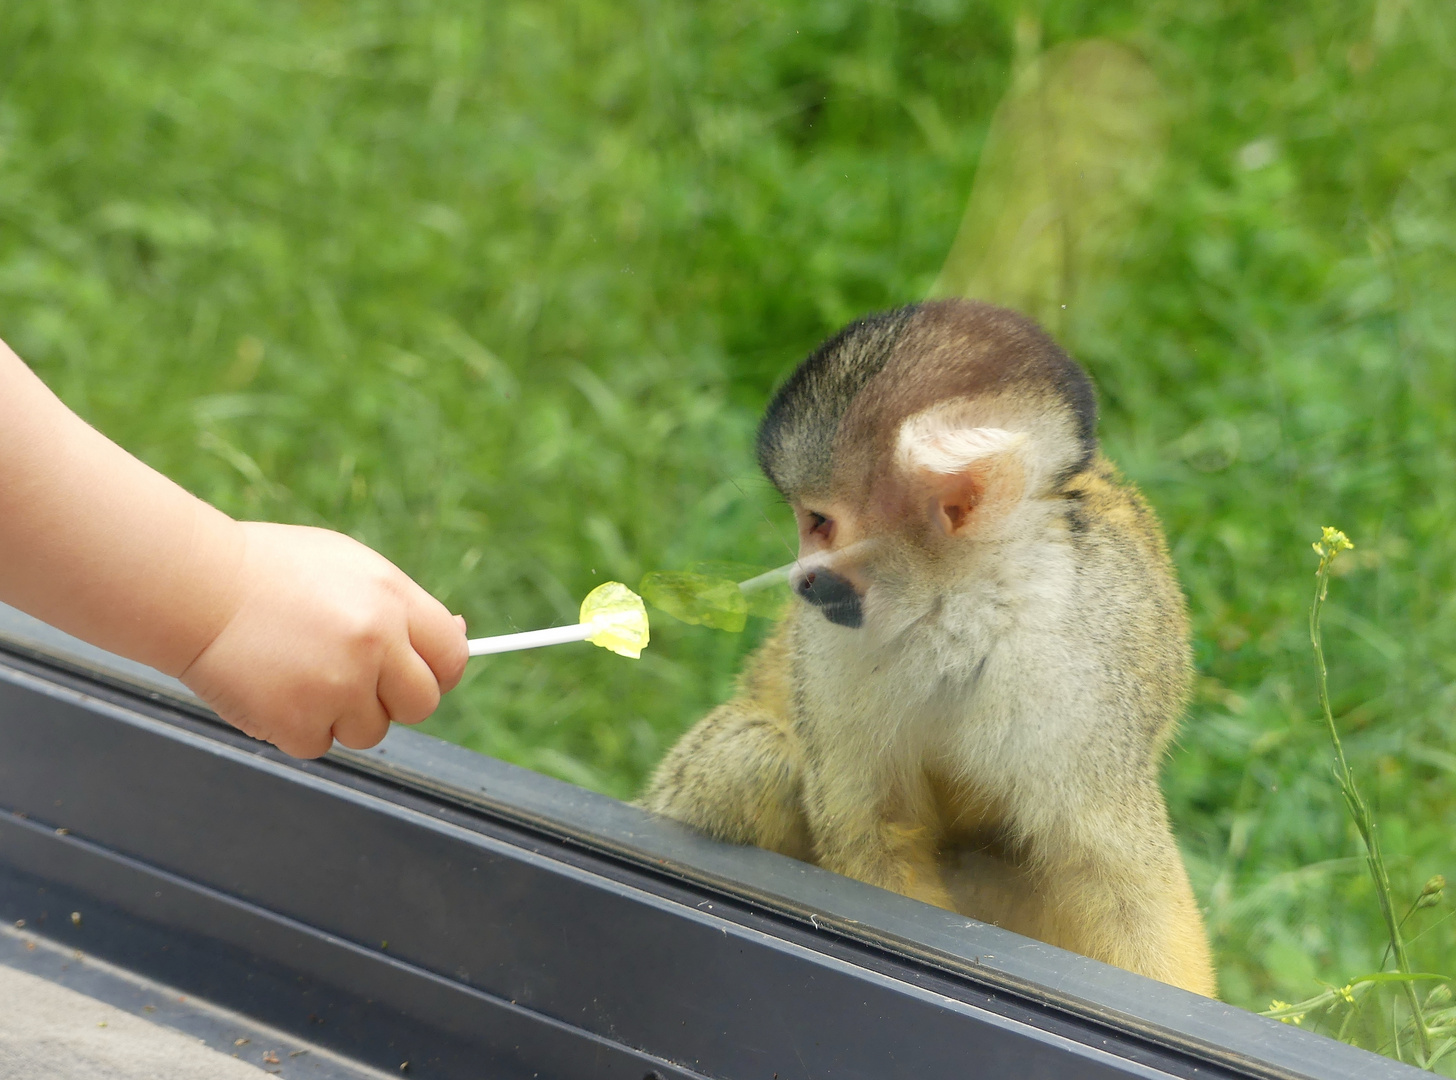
{"points": [[831, 594]]}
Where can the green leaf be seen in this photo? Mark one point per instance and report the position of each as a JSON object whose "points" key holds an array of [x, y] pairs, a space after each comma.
{"points": [[1439, 1052], [1397, 977]]}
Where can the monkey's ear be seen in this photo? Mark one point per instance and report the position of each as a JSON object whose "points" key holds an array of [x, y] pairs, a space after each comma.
{"points": [[959, 467]]}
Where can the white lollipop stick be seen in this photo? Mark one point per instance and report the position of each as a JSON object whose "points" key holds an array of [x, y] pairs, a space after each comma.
{"points": [[530, 639], [763, 581], [813, 562], [612, 616]]}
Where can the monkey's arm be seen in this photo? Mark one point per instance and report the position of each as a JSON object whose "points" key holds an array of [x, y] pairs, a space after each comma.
{"points": [[738, 774], [735, 776], [871, 828]]}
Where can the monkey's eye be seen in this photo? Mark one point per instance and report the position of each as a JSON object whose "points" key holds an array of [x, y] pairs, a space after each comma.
{"points": [[819, 525]]}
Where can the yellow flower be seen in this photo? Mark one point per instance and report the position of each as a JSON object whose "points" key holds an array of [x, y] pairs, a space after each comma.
{"points": [[1331, 542], [1276, 1005], [1433, 893]]}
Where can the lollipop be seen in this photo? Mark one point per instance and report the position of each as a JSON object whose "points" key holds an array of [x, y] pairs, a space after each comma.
{"points": [[612, 616]]}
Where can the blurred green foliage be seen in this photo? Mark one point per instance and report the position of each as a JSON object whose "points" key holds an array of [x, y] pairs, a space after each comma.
{"points": [[500, 289]]}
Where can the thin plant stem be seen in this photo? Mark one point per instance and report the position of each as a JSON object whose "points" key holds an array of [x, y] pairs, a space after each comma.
{"points": [[1332, 544]]}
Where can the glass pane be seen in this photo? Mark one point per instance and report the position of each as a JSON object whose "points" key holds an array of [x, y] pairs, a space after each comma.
{"points": [[503, 290]]}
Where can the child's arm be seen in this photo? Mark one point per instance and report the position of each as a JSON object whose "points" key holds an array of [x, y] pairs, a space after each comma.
{"points": [[294, 635]]}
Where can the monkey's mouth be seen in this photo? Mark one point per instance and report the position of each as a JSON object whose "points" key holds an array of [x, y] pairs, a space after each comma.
{"points": [[832, 595]]}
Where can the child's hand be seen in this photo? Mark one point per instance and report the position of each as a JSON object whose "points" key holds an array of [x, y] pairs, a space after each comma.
{"points": [[326, 640], [298, 636]]}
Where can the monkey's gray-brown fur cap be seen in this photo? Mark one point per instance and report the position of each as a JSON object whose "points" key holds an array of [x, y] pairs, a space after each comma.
{"points": [[879, 370]]}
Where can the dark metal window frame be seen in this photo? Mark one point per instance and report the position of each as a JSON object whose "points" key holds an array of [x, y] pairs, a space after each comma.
{"points": [[422, 903]]}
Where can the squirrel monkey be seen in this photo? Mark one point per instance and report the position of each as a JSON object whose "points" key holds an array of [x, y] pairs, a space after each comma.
{"points": [[970, 699]]}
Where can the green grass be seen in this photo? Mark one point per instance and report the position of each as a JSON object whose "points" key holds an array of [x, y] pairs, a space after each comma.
{"points": [[500, 289]]}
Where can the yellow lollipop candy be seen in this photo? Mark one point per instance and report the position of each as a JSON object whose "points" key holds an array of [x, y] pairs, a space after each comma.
{"points": [[617, 619]]}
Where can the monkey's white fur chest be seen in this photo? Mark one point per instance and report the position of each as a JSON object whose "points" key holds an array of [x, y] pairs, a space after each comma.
{"points": [[984, 684]]}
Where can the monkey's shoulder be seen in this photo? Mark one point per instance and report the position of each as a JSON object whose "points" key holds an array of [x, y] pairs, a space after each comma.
{"points": [[1138, 615], [1101, 504]]}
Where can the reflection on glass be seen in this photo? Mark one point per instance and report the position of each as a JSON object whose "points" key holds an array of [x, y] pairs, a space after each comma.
{"points": [[1073, 152], [502, 290], [711, 594]]}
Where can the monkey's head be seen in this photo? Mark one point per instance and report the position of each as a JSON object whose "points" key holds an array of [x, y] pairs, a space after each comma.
{"points": [[914, 444]]}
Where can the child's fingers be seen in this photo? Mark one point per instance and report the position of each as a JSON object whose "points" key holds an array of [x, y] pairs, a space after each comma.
{"points": [[439, 639], [363, 726], [407, 687], [302, 742]]}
